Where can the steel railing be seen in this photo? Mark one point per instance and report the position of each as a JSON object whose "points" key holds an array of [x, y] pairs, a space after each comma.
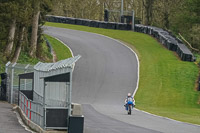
{"points": [[33, 110]]}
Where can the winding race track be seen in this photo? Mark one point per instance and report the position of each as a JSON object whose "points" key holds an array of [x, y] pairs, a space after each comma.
{"points": [[103, 76]]}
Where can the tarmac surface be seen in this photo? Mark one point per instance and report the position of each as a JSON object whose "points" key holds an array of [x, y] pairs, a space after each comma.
{"points": [[8, 120], [102, 78]]}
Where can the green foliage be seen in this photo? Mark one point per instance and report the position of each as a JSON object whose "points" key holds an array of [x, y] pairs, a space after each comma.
{"points": [[2, 63], [193, 6], [21, 11], [26, 59], [167, 85]]}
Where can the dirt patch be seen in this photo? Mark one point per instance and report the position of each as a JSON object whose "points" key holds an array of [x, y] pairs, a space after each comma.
{"points": [[54, 56]]}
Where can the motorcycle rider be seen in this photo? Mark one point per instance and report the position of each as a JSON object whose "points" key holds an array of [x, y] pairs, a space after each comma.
{"points": [[129, 100]]}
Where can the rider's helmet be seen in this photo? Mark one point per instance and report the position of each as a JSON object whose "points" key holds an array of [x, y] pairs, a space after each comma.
{"points": [[129, 94]]}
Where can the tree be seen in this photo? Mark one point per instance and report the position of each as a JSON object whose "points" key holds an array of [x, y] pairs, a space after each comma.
{"points": [[35, 21], [148, 11], [16, 26], [9, 11], [193, 6], [23, 21], [192, 19], [16, 13], [19, 45], [39, 7]]}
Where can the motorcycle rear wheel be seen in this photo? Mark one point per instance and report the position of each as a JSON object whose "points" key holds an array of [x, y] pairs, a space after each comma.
{"points": [[129, 110]]}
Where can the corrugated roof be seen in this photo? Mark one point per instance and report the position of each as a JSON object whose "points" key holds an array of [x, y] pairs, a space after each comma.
{"points": [[58, 65]]}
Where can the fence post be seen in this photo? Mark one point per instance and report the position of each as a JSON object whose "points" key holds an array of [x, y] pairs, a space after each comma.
{"points": [[133, 20], [12, 80], [122, 10], [19, 91], [7, 66], [30, 111], [70, 94], [25, 72], [6, 70], [27, 107], [24, 103], [44, 107], [21, 100]]}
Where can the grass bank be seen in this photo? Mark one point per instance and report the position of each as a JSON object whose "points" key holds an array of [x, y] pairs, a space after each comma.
{"points": [[167, 84], [61, 51]]}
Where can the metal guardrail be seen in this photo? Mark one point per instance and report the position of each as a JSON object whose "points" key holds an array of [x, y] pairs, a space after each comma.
{"points": [[33, 110], [39, 114]]}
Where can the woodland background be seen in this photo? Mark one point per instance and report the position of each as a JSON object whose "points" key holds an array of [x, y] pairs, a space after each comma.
{"points": [[21, 21]]}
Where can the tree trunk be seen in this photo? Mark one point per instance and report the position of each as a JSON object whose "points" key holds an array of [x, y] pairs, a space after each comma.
{"points": [[34, 36], [19, 44], [101, 12], [11, 37], [166, 14], [166, 20], [148, 6]]}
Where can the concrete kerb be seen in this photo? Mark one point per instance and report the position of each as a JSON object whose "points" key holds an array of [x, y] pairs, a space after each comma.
{"points": [[31, 124]]}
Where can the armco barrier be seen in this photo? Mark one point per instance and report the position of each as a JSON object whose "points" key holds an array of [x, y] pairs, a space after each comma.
{"points": [[164, 37]]}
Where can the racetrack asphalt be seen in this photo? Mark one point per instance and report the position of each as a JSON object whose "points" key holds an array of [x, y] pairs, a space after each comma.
{"points": [[102, 78]]}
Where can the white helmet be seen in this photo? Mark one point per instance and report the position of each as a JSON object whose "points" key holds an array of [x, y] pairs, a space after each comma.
{"points": [[129, 94]]}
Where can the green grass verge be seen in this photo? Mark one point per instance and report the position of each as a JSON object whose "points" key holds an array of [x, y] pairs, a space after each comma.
{"points": [[62, 52], [167, 85]]}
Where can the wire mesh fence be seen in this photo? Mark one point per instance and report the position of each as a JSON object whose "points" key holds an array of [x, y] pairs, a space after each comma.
{"points": [[13, 70]]}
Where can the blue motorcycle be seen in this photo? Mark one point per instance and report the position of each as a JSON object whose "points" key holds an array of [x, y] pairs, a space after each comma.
{"points": [[129, 106]]}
